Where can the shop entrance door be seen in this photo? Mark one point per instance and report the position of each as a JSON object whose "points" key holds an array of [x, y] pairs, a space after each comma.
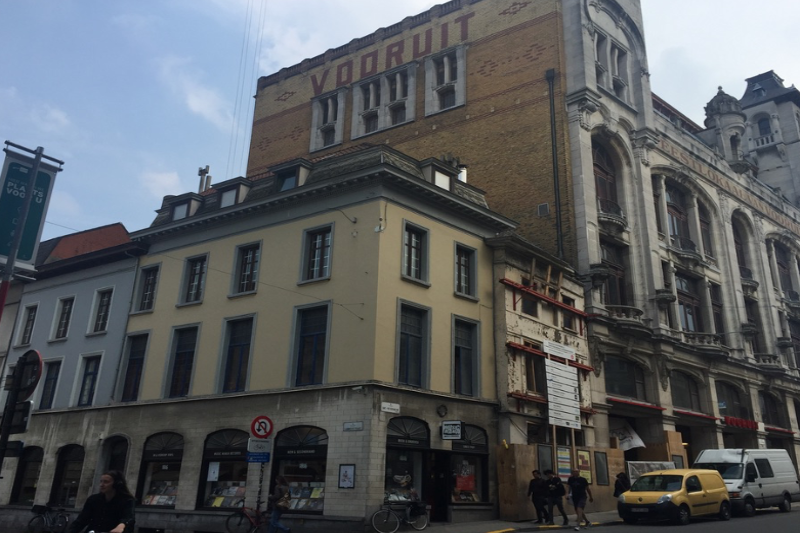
{"points": [[438, 489]]}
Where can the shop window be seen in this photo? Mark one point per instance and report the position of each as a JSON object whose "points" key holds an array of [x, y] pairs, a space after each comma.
{"points": [[52, 371], [311, 345], [469, 466], [465, 358], [412, 357], [237, 360], [729, 401], [224, 472], [137, 347], [624, 378], [770, 413], [161, 469], [23, 491], [405, 438], [27, 329], [148, 279], [68, 476], [115, 450], [685, 392], [301, 456]]}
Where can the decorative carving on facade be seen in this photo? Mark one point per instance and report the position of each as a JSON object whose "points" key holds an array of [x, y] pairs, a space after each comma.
{"points": [[598, 356], [758, 222], [725, 207], [663, 372]]}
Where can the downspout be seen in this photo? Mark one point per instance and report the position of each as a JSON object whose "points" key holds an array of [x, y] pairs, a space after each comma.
{"points": [[550, 75]]}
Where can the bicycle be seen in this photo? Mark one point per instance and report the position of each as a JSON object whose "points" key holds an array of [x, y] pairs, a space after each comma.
{"points": [[388, 518], [48, 520], [246, 519]]}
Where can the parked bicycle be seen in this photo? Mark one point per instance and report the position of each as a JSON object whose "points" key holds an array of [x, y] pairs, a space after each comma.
{"points": [[388, 518], [246, 519], [48, 520]]}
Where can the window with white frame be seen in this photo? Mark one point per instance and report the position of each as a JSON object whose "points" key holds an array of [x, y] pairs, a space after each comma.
{"points": [[63, 317], [91, 371], [384, 101], [465, 271], [237, 358], [317, 254], [246, 271], [415, 253], [465, 357], [27, 326], [102, 309], [327, 125], [227, 198], [413, 339], [180, 211], [51, 372], [137, 346], [445, 84], [146, 294], [311, 345], [194, 279], [180, 379]]}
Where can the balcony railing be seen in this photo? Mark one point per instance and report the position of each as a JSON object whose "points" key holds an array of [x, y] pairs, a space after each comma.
{"points": [[792, 296], [768, 359], [745, 272], [625, 312], [764, 140], [609, 207], [710, 340], [683, 243]]}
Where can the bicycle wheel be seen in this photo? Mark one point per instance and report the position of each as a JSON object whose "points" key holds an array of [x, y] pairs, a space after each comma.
{"points": [[385, 521], [419, 522], [62, 520], [36, 525], [238, 522]]}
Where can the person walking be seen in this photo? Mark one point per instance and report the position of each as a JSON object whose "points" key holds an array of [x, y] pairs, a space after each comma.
{"points": [[555, 493], [281, 489], [110, 510], [578, 492], [537, 492], [622, 484]]}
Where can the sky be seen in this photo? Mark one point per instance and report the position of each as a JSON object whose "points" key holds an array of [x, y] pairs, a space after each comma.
{"points": [[136, 95]]}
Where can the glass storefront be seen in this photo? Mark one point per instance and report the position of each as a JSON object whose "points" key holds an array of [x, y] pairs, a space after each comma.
{"points": [[161, 470], [30, 465], [301, 456], [68, 476], [406, 438], [468, 464], [224, 471]]}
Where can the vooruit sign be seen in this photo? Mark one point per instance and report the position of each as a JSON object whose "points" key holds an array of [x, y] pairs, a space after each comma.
{"points": [[15, 178]]}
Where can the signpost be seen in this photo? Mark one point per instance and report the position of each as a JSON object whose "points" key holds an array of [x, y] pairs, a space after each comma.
{"points": [[258, 448], [23, 382], [261, 427]]}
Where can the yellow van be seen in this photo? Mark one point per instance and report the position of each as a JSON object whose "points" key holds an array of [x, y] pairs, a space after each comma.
{"points": [[676, 495]]}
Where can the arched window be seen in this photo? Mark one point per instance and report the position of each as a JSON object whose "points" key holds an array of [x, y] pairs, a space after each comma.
{"points": [[684, 391], [116, 453], [783, 260], [678, 218], [705, 230], [68, 476], [770, 414], [740, 245], [301, 456], [624, 378], [614, 287], [764, 127], [605, 179], [30, 466], [689, 304], [161, 469], [223, 477], [729, 401], [407, 441]]}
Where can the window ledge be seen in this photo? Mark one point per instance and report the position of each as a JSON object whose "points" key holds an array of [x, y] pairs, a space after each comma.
{"points": [[21, 345], [141, 312], [53, 341], [416, 281], [97, 333], [465, 296], [188, 304], [326, 147], [241, 294], [437, 111], [314, 280]]}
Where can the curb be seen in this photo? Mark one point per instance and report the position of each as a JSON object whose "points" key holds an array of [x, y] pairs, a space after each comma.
{"points": [[567, 527]]}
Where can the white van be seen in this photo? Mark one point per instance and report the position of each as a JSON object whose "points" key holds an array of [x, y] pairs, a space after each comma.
{"points": [[755, 478]]}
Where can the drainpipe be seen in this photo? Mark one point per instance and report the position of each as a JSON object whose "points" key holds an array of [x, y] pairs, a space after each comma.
{"points": [[550, 75]]}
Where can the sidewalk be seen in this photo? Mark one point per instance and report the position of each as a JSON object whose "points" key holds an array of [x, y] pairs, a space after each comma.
{"points": [[496, 526]]}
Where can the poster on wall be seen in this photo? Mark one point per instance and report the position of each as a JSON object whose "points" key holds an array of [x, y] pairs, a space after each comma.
{"points": [[563, 458], [584, 464]]}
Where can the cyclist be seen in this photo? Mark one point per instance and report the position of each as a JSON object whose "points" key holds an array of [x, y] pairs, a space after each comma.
{"points": [[109, 510]]}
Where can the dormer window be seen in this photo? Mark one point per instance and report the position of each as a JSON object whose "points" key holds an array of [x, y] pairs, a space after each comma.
{"points": [[227, 198], [180, 211], [287, 180]]}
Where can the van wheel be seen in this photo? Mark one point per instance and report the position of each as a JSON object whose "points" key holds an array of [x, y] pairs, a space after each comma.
{"points": [[786, 504], [682, 516], [749, 507], [725, 511]]}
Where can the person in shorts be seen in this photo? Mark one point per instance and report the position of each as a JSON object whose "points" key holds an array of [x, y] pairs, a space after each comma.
{"points": [[579, 492]]}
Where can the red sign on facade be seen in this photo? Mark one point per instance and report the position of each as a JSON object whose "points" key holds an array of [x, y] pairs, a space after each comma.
{"points": [[261, 427]]}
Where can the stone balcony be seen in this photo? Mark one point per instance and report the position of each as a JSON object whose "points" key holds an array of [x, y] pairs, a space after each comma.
{"points": [[611, 216], [628, 318], [709, 343], [749, 285]]}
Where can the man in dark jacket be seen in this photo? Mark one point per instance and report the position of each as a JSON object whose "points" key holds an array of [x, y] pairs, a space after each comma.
{"points": [[110, 510], [537, 491], [555, 491]]}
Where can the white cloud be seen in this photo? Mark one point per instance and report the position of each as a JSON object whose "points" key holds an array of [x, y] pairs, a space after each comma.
{"points": [[49, 119], [185, 81], [160, 184]]}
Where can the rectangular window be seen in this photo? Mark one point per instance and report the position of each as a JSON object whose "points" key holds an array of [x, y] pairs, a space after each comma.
{"points": [[147, 293], [445, 80], [567, 317], [529, 305], [247, 268], [103, 308], [465, 271], [383, 101], [227, 198], [64, 316], [464, 358], [52, 370], [414, 253], [137, 346], [318, 254], [27, 329], [311, 345], [195, 277], [91, 369], [413, 324], [326, 123], [535, 374], [716, 308], [180, 211], [238, 356], [182, 362]]}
